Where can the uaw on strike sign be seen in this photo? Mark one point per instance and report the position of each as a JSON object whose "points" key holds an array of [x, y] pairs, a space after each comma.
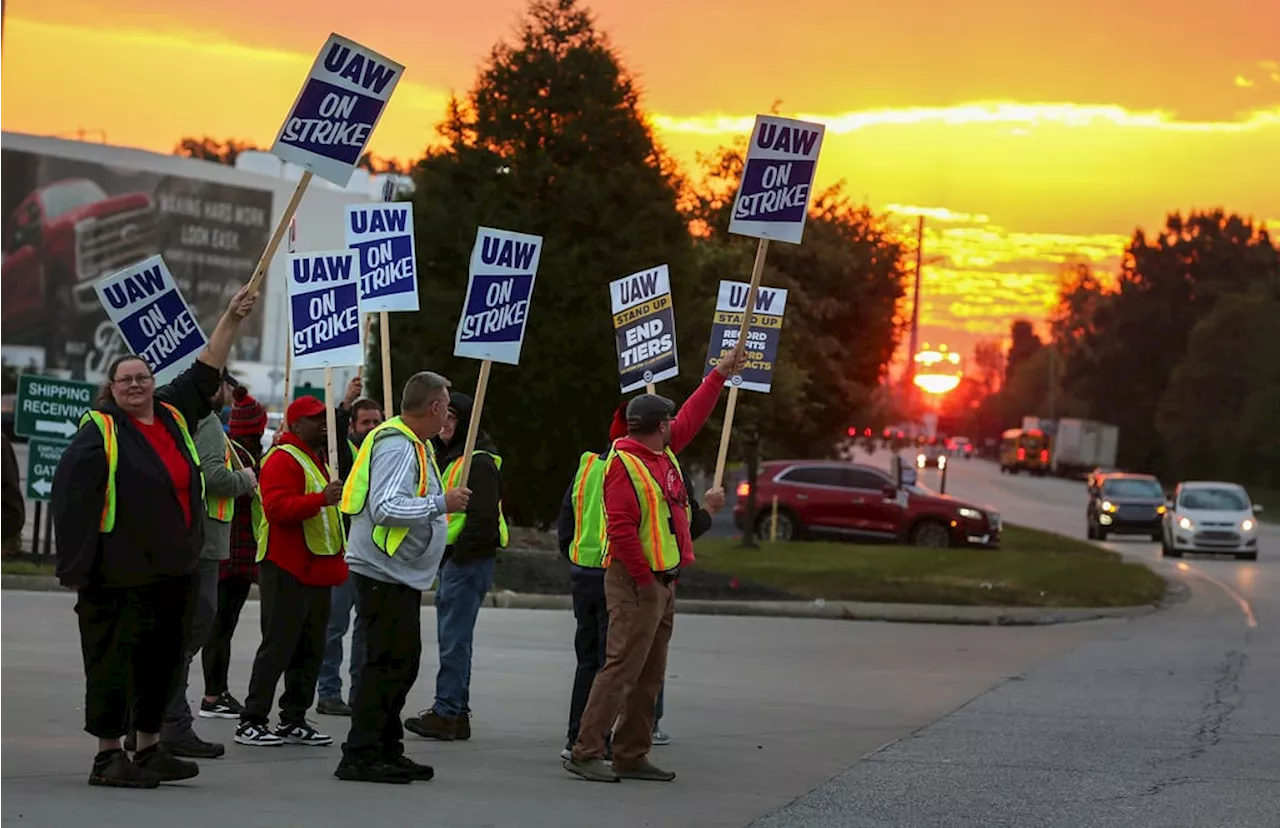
{"points": [[337, 109], [777, 179], [645, 326]]}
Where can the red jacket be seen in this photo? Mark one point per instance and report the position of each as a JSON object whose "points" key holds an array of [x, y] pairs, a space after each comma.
{"points": [[622, 508], [285, 506]]}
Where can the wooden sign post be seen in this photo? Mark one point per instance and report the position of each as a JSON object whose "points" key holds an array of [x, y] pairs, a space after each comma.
{"points": [[473, 428], [744, 330]]}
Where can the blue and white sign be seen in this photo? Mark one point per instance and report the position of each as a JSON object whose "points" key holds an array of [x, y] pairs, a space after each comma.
{"points": [[503, 267], [336, 111], [763, 337], [324, 309], [381, 236], [148, 309], [777, 179], [644, 325]]}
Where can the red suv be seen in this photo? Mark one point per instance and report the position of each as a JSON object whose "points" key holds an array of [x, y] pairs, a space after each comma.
{"points": [[821, 497]]}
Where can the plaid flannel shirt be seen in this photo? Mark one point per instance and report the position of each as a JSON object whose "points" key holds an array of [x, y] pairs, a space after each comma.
{"points": [[244, 544]]}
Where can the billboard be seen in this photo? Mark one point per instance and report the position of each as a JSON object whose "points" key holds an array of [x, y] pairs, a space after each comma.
{"points": [[69, 222]]}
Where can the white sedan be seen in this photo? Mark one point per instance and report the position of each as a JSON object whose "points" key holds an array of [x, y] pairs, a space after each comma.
{"points": [[1212, 518]]}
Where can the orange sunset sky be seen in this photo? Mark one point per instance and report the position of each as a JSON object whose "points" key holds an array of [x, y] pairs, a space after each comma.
{"points": [[1028, 131]]}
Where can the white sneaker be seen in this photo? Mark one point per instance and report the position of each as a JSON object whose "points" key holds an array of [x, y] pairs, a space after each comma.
{"points": [[566, 754], [256, 735], [660, 738], [302, 734]]}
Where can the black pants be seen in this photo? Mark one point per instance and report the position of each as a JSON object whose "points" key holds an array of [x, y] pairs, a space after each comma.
{"points": [[294, 617], [216, 655], [131, 639], [391, 615], [589, 640]]}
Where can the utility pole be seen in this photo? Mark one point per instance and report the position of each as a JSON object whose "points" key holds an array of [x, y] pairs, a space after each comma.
{"points": [[913, 342]]}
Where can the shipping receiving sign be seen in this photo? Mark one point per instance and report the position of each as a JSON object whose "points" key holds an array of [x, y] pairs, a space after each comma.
{"points": [[777, 179], [335, 112], [644, 324], [503, 268], [382, 237], [762, 338], [146, 306], [324, 309]]}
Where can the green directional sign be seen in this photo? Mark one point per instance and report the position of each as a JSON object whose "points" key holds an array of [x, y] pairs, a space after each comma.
{"points": [[42, 459], [48, 408], [300, 391]]}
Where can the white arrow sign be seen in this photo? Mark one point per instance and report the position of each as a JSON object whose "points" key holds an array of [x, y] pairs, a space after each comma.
{"points": [[64, 428], [42, 487]]}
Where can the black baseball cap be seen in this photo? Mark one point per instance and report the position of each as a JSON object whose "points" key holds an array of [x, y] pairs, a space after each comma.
{"points": [[647, 411]]}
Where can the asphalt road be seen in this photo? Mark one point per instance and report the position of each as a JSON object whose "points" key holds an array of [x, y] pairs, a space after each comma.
{"points": [[1166, 720]]}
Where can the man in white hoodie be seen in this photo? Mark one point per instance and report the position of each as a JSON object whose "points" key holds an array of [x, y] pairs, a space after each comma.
{"points": [[397, 503]]}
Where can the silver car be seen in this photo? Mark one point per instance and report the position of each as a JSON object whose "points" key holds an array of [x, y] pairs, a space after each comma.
{"points": [[1212, 518]]}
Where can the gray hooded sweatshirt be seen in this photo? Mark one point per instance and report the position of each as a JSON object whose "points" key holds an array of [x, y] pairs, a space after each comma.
{"points": [[393, 501], [219, 481]]}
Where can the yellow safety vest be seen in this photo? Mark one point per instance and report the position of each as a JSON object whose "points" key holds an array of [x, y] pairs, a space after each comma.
{"points": [[356, 490], [106, 424], [323, 532], [587, 498], [656, 538], [222, 509], [456, 520]]}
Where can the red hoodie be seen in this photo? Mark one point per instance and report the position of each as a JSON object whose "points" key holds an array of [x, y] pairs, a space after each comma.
{"points": [[622, 508], [285, 506]]}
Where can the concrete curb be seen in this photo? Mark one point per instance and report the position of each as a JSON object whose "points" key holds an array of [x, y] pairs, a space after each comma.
{"points": [[831, 610]]}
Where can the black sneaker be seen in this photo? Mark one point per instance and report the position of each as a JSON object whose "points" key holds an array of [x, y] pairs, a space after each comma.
{"points": [[375, 770], [225, 707], [302, 733], [333, 707], [193, 747], [168, 768], [414, 770], [256, 735], [112, 769]]}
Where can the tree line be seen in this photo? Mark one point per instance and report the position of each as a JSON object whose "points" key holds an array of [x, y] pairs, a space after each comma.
{"points": [[552, 139], [1180, 349]]}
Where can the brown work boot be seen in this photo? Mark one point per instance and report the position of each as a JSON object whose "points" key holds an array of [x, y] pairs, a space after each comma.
{"points": [[462, 726], [642, 769], [592, 770], [431, 725]]}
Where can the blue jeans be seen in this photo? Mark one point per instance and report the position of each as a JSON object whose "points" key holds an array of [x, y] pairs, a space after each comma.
{"points": [[658, 706], [342, 602], [458, 598]]}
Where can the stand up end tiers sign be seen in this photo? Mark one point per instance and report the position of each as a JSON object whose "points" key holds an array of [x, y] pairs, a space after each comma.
{"points": [[147, 308], [644, 323], [324, 309], [762, 338], [777, 179], [335, 113], [504, 266]]}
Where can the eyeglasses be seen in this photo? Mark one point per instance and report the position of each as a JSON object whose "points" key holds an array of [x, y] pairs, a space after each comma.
{"points": [[141, 379]]}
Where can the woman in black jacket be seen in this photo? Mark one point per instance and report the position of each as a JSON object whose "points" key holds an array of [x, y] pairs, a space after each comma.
{"points": [[128, 544]]}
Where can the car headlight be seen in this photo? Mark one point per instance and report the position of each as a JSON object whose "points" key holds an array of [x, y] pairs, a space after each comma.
{"points": [[1108, 506], [1185, 523], [973, 514], [1249, 524], [1160, 510], [920, 460], [942, 462]]}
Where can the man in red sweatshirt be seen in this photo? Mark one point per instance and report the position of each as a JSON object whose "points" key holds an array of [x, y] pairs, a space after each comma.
{"points": [[648, 539], [300, 551]]}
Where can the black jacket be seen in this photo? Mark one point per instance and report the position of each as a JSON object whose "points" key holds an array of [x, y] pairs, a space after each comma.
{"points": [[479, 537], [150, 542], [700, 519], [15, 508]]}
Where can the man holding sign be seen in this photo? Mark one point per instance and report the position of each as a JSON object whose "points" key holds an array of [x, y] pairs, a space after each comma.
{"points": [[647, 525]]}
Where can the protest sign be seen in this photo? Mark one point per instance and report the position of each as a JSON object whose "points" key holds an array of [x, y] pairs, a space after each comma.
{"points": [[337, 109], [324, 309], [756, 373], [503, 268], [644, 324], [777, 179], [382, 237], [145, 305], [329, 125]]}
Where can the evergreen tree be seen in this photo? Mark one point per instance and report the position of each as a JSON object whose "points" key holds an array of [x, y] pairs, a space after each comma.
{"points": [[551, 140]]}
